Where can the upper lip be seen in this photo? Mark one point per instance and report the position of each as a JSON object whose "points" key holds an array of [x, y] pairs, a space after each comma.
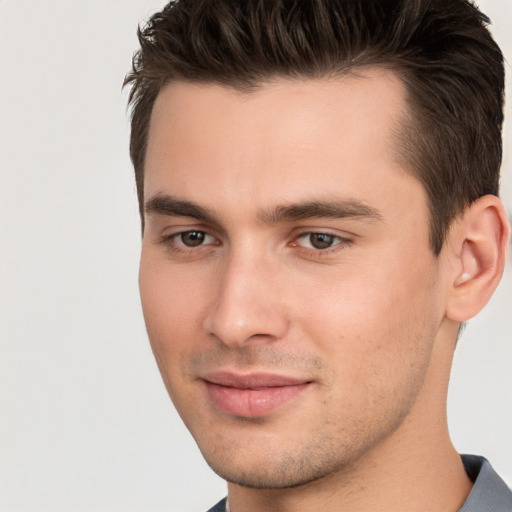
{"points": [[251, 380]]}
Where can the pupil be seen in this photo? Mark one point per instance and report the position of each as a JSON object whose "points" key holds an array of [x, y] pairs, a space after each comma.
{"points": [[192, 238], [321, 240]]}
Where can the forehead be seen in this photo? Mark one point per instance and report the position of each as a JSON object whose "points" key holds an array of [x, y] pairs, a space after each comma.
{"points": [[285, 140]]}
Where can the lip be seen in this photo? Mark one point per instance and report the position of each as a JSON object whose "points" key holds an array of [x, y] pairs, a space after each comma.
{"points": [[252, 395]]}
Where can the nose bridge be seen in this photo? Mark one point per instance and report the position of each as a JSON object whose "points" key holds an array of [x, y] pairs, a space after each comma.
{"points": [[247, 305]]}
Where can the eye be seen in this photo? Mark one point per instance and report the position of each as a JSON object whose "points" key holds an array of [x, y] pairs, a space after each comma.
{"points": [[189, 244], [319, 241], [193, 238], [187, 240]]}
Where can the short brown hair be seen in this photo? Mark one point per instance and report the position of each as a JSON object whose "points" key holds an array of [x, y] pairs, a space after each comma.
{"points": [[441, 49]]}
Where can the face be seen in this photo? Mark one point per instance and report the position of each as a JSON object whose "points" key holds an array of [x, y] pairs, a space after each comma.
{"points": [[290, 295]]}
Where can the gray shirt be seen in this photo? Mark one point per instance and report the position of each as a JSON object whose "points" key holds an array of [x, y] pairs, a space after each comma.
{"points": [[489, 493]]}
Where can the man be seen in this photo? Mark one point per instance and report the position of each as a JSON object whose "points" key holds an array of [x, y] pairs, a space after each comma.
{"points": [[318, 188]]}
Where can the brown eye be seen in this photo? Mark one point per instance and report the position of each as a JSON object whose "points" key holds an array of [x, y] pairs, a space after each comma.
{"points": [[192, 238], [321, 240]]}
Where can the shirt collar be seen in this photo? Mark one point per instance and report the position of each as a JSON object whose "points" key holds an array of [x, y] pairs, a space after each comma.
{"points": [[489, 493]]}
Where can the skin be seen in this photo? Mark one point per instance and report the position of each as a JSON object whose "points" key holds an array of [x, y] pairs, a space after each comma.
{"points": [[364, 321]]}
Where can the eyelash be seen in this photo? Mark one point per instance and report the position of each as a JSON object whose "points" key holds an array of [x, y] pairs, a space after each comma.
{"points": [[170, 242]]}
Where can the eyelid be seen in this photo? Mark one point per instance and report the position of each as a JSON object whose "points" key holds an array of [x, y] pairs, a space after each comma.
{"points": [[310, 233], [170, 229]]}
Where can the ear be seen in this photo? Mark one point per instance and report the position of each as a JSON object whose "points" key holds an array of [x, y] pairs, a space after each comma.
{"points": [[478, 246]]}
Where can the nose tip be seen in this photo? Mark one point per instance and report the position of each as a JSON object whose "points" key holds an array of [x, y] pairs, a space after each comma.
{"points": [[234, 331], [246, 309]]}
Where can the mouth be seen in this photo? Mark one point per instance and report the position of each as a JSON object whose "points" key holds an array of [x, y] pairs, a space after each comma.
{"points": [[252, 395]]}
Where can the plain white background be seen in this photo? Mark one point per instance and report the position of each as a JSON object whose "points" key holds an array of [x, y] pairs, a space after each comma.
{"points": [[85, 423]]}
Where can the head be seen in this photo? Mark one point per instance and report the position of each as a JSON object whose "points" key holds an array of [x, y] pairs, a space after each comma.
{"points": [[317, 184]]}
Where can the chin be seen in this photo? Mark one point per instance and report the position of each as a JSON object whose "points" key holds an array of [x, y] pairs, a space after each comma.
{"points": [[275, 467], [263, 477]]}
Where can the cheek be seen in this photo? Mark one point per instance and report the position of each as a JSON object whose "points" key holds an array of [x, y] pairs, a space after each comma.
{"points": [[378, 355], [172, 307], [375, 325]]}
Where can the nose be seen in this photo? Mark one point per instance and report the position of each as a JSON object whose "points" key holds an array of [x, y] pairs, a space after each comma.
{"points": [[248, 306]]}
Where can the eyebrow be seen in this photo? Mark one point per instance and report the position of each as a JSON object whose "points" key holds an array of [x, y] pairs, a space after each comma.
{"points": [[331, 209], [174, 207]]}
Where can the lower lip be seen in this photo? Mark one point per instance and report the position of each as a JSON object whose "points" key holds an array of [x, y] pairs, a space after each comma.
{"points": [[252, 403]]}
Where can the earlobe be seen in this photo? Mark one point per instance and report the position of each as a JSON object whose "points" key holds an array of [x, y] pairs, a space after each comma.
{"points": [[480, 246]]}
